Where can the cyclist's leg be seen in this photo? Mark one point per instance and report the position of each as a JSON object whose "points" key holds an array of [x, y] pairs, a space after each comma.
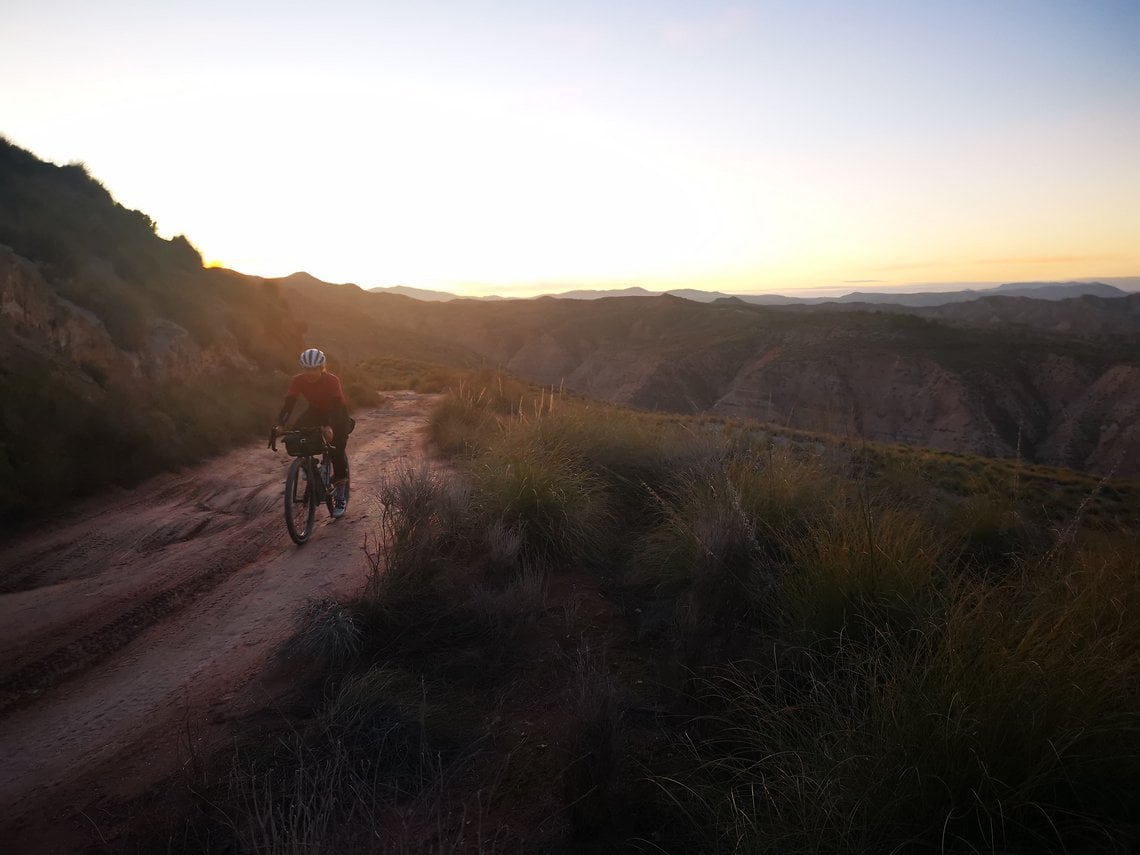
{"points": [[340, 455]]}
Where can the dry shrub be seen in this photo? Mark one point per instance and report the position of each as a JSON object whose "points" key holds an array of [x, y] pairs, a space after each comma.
{"points": [[864, 571], [547, 498]]}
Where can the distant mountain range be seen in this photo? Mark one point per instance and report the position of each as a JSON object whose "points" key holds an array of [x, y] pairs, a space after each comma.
{"points": [[1054, 381], [1036, 290], [427, 295]]}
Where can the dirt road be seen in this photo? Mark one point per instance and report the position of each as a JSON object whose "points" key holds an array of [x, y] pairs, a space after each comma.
{"points": [[154, 607]]}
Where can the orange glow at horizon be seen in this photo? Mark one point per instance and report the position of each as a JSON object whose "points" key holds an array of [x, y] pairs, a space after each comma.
{"points": [[737, 148]]}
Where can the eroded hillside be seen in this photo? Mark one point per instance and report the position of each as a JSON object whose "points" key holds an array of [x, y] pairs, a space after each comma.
{"points": [[1002, 388]]}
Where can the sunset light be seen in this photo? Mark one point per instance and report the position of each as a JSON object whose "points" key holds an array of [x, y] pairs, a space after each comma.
{"points": [[516, 148], [515, 426]]}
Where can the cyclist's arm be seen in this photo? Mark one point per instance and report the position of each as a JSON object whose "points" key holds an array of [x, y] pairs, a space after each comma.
{"points": [[286, 411]]}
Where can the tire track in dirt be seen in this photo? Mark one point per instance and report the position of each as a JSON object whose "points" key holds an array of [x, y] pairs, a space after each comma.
{"points": [[149, 607], [48, 654], [40, 675]]}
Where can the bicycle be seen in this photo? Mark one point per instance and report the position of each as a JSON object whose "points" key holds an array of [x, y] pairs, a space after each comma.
{"points": [[309, 481]]}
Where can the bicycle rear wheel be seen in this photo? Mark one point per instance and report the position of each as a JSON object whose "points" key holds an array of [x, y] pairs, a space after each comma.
{"points": [[300, 500]]}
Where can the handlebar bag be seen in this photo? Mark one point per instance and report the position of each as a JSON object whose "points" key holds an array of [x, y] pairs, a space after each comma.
{"points": [[308, 442]]}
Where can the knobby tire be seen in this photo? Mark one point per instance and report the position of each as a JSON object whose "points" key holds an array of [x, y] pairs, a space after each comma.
{"points": [[301, 499]]}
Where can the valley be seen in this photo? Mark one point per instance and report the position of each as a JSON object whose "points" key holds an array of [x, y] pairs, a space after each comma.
{"points": [[1051, 382]]}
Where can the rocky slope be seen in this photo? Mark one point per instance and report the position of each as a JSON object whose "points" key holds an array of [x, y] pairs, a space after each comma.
{"points": [[36, 318], [119, 354]]}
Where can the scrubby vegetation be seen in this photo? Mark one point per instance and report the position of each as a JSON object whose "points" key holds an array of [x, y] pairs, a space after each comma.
{"points": [[60, 444], [602, 630], [614, 632]]}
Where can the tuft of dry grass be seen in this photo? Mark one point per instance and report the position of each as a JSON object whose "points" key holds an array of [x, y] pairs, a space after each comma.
{"points": [[328, 635], [546, 498], [865, 570]]}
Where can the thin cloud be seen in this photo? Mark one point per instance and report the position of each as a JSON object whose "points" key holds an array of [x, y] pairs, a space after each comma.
{"points": [[1012, 261], [913, 265], [1045, 259]]}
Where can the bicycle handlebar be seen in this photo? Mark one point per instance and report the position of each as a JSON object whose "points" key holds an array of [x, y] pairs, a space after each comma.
{"points": [[273, 439]]}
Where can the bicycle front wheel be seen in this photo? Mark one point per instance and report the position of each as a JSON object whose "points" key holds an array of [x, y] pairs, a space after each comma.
{"points": [[300, 500]]}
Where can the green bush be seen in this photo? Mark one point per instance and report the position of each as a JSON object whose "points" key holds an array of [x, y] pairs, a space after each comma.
{"points": [[708, 570], [786, 491], [459, 427], [546, 497], [864, 571], [704, 576]]}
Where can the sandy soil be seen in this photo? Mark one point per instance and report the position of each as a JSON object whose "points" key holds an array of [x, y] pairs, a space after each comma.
{"points": [[147, 617]]}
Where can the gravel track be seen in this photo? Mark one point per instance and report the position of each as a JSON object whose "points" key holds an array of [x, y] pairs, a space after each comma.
{"points": [[150, 608]]}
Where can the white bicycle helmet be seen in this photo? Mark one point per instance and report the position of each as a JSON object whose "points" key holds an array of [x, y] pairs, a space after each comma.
{"points": [[312, 358]]}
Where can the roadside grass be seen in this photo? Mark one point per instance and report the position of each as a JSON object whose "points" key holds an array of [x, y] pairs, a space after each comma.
{"points": [[1012, 726], [1034, 691], [437, 584], [126, 435], [469, 416], [611, 631], [870, 626], [328, 635], [630, 453], [545, 499]]}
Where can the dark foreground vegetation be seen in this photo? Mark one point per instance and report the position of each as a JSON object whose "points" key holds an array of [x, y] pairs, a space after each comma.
{"points": [[617, 632]]}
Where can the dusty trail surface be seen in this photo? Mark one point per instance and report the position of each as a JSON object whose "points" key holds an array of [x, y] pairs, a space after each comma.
{"points": [[159, 606]]}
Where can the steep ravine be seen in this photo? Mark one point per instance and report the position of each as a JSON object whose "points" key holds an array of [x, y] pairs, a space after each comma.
{"points": [[1046, 407]]}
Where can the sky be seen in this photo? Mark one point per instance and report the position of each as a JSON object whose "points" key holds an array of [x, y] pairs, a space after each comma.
{"points": [[526, 147]]}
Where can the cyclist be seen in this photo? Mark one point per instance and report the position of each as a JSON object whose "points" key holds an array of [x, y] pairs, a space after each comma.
{"points": [[328, 409]]}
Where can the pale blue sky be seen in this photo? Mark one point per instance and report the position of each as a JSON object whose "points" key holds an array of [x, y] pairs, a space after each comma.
{"points": [[516, 147]]}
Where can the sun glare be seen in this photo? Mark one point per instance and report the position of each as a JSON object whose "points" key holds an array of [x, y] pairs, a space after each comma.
{"points": [[721, 158]]}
